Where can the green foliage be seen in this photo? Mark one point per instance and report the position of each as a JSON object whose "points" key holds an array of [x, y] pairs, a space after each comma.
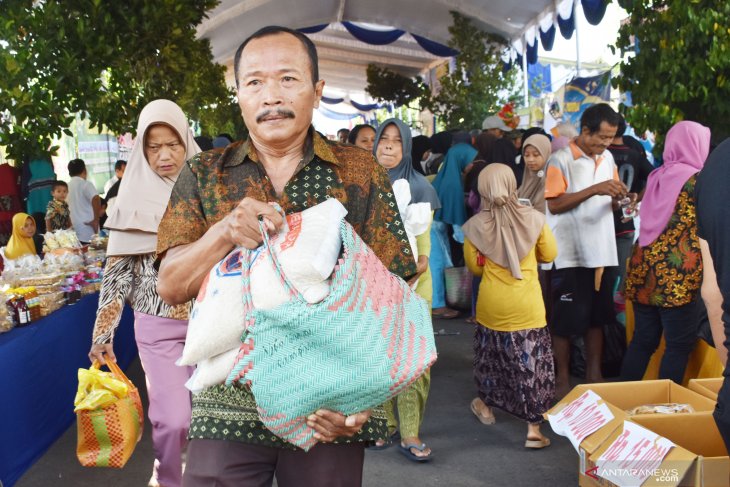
{"points": [[105, 60], [390, 87], [682, 67], [477, 87]]}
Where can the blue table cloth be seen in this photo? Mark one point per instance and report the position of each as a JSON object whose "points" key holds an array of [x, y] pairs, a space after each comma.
{"points": [[38, 380]]}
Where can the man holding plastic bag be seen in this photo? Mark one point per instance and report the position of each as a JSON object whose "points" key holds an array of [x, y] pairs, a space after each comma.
{"points": [[216, 205]]}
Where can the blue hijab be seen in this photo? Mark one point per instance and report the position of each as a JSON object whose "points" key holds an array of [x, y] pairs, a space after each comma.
{"points": [[449, 186], [421, 189]]}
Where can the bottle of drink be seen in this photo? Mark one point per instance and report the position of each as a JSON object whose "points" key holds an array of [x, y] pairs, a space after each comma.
{"points": [[23, 312]]}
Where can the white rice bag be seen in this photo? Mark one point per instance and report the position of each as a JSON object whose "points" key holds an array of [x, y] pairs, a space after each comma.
{"points": [[308, 248], [212, 371]]}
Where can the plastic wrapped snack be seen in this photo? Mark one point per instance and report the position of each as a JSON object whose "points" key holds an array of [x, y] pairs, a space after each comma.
{"points": [[98, 242], [60, 239], [663, 408], [51, 302], [42, 280], [7, 322]]}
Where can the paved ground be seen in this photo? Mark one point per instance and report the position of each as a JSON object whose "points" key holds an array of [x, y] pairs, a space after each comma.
{"points": [[466, 453]]}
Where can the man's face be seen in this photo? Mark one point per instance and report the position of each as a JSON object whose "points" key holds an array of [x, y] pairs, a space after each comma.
{"points": [[120, 172], [275, 90], [495, 132], [595, 144], [342, 136]]}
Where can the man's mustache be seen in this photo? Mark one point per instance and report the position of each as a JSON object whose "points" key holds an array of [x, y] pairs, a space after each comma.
{"points": [[278, 113]]}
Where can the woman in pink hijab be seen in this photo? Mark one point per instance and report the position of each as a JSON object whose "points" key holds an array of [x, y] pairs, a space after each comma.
{"points": [[665, 270]]}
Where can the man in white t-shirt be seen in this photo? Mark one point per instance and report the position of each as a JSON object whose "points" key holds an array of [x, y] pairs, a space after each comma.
{"points": [[582, 189], [83, 201]]}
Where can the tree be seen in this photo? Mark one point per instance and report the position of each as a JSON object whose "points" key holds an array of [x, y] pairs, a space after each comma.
{"points": [[105, 60], [390, 87], [681, 67], [478, 87]]}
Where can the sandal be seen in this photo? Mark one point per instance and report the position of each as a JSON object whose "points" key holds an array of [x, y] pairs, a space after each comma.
{"points": [[486, 420], [406, 451], [386, 443], [444, 313], [537, 444]]}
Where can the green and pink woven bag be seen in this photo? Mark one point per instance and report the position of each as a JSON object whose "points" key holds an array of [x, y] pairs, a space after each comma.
{"points": [[367, 341]]}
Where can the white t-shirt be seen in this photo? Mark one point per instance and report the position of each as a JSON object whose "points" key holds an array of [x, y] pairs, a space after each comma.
{"points": [[585, 234], [80, 194]]}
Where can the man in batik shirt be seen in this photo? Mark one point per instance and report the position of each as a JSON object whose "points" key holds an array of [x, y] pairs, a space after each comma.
{"points": [[215, 206]]}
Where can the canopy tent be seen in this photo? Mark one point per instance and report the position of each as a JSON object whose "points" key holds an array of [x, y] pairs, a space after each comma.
{"points": [[349, 34]]}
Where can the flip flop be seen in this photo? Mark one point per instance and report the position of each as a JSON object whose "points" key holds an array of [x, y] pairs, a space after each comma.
{"points": [[406, 451], [446, 314], [537, 444], [482, 419]]}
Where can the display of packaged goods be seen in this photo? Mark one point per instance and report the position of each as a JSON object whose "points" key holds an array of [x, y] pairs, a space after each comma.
{"points": [[31, 288]]}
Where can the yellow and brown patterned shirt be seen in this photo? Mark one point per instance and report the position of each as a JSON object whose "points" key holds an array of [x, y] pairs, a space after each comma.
{"points": [[668, 273], [210, 187]]}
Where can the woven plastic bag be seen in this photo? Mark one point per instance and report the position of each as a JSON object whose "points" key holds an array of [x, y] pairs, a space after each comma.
{"points": [[367, 341], [457, 282], [308, 247], [107, 435]]}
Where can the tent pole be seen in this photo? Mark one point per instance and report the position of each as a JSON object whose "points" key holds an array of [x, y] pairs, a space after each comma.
{"points": [[525, 89], [577, 39]]}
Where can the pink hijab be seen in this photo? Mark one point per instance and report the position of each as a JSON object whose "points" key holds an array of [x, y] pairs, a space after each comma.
{"points": [[685, 151]]}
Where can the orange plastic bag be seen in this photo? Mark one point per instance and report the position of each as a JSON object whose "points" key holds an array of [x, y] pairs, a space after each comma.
{"points": [[107, 435]]}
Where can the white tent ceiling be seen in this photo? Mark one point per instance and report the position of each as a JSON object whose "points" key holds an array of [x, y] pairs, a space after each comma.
{"points": [[343, 58]]}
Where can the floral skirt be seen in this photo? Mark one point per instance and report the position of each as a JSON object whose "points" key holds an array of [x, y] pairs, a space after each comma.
{"points": [[514, 371]]}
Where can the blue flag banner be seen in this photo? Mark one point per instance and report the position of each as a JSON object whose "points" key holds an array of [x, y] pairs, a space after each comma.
{"points": [[584, 92], [539, 79]]}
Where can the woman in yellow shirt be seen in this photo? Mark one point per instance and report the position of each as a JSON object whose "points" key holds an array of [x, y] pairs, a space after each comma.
{"points": [[513, 359]]}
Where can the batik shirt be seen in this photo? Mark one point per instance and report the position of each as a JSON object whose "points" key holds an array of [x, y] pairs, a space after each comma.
{"points": [[211, 186], [668, 272], [59, 215]]}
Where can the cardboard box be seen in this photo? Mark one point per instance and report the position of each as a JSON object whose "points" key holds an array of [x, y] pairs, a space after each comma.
{"points": [[593, 441], [678, 468], [628, 395], [706, 387], [623, 396], [696, 433]]}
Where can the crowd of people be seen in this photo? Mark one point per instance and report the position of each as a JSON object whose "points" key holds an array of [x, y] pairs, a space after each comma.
{"points": [[543, 222]]}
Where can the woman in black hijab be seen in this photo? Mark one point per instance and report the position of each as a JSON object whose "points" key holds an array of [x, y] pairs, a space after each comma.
{"points": [[440, 144], [420, 151]]}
